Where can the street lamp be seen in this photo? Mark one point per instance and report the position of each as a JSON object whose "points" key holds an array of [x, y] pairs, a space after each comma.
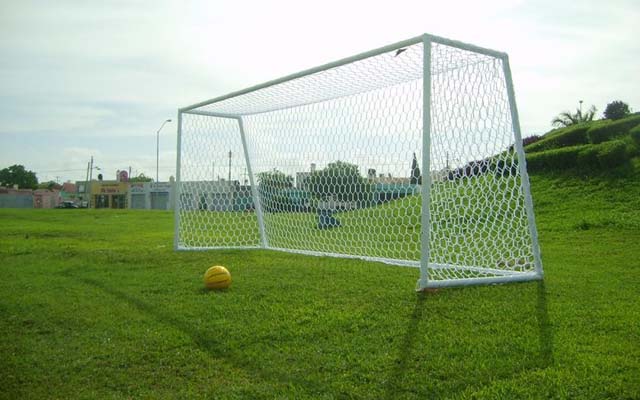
{"points": [[158, 149]]}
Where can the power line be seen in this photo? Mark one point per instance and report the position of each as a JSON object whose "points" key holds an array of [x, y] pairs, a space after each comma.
{"points": [[61, 170]]}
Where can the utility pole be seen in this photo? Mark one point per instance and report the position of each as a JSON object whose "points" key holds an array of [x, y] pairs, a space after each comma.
{"points": [[158, 150], [90, 179], [86, 186]]}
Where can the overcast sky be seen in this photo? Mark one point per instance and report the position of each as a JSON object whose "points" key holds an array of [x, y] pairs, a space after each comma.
{"points": [[98, 78]]}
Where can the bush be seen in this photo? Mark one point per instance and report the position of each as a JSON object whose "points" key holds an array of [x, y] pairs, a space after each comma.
{"points": [[585, 157], [612, 130], [635, 134], [554, 160], [571, 136], [588, 157], [530, 140], [612, 154]]}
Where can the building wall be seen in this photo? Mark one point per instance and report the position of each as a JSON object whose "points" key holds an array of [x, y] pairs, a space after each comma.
{"points": [[16, 198], [109, 194], [215, 196], [151, 195], [43, 198]]}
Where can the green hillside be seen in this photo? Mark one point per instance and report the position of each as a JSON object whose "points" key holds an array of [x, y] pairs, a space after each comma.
{"points": [[588, 147]]}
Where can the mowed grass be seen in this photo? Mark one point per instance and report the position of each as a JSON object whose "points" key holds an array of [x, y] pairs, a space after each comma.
{"points": [[96, 304]]}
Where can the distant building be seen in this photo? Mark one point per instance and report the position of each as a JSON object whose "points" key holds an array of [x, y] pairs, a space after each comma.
{"points": [[301, 179], [151, 195], [83, 193], [219, 195], [108, 194], [16, 198], [69, 192], [46, 198]]}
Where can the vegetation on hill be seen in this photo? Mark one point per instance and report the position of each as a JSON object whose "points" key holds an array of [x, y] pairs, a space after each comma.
{"points": [[587, 147], [567, 118]]}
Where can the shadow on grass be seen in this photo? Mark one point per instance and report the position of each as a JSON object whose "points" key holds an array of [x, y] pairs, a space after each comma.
{"points": [[406, 347], [415, 330], [544, 325], [205, 340]]}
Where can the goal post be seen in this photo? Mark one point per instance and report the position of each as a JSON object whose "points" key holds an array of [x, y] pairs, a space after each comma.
{"points": [[410, 154]]}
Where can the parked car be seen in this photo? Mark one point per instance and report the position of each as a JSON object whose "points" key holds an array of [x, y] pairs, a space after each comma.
{"points": [[67, 204]]}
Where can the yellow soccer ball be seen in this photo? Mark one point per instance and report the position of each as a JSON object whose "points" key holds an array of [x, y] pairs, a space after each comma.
{"points": [[217, 277]]}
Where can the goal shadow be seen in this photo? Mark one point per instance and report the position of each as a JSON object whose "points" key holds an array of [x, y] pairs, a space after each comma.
{"points": [[417, 352], [205, 340]]}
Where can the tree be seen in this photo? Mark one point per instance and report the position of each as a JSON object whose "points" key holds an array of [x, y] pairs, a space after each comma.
{"points": [[51, 185], [565, 118], [340, 181], [616, 110], [18, 175], [273, 186], [275, 179], [141, 178], [416, 176]]}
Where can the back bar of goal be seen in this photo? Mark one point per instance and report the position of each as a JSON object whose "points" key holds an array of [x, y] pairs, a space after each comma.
{"points": [[357, 57]]}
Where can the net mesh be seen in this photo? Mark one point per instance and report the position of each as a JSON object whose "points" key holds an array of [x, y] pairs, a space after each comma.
{"points": [[334, 159]]}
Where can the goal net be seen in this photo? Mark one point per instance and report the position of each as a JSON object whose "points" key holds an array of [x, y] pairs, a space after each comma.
{"points": [[409, 154]]}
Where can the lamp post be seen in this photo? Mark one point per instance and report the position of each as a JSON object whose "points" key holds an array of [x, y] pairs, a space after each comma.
{"points": [[90, 168], [158, 149]]}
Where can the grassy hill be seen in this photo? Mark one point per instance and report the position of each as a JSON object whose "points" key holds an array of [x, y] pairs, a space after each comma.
{"points": [[96, 304], [588, 147]]}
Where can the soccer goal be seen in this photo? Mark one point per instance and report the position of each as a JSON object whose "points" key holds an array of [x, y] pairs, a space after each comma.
{"points": [[409, 154]]}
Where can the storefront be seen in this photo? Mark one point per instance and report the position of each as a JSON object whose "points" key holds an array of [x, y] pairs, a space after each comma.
{"points": [[108, 194]]}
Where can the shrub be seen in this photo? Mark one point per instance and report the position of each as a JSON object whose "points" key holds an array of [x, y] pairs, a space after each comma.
{"points": [[612, 154], [588, 157], [635, 134], [571, 136], [554, 160], [526, 142], [612, 130], [530, 140]]}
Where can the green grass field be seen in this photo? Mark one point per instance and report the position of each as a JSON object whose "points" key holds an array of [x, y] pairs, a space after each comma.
{"points": [[96, 304]]}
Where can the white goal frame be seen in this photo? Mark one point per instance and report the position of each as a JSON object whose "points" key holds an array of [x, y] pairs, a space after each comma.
{"points": [[486, 274]]}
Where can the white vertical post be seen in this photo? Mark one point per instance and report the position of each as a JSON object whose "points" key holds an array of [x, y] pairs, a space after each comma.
{"points": [[177, 189], [254, 189], [426, 163], [522, 166]]}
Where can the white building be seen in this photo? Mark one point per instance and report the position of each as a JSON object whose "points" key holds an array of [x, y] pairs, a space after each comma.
{"points": [[151, 195]]}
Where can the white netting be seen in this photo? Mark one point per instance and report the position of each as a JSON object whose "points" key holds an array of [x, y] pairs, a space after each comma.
{"points": [[336, 159]]}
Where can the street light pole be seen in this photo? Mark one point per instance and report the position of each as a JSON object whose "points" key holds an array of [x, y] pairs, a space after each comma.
{"points": [[158, 150]]}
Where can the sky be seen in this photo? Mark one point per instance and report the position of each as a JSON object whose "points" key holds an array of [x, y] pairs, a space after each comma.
{"points": [[82, 79]]}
